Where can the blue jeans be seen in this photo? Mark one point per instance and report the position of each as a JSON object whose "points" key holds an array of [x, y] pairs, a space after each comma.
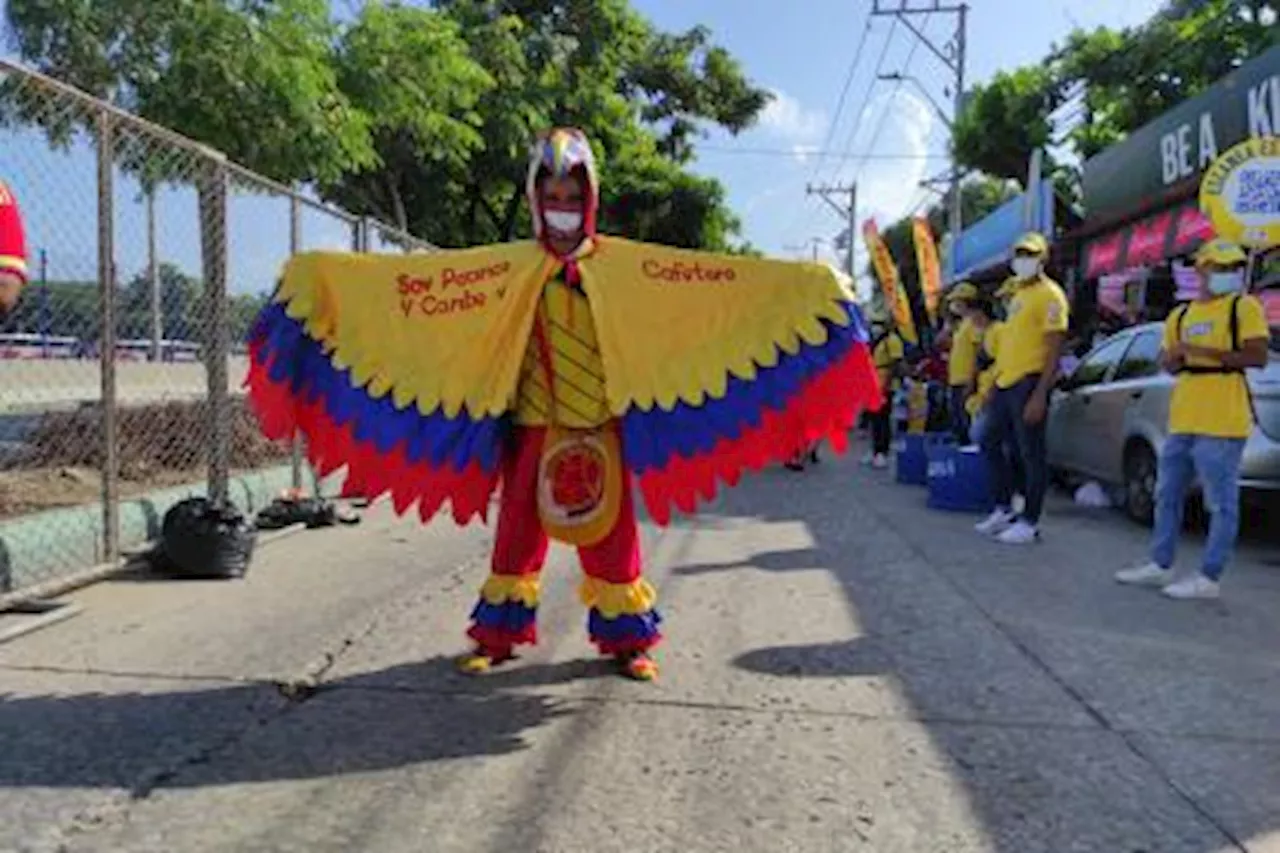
{"points": [[1217, 463], [1007, 440], [957, 394]]}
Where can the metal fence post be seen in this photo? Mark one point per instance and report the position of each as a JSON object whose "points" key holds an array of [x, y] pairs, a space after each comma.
{"points": [[213, 243], [295, 246], [153, 276], [107, 340]]}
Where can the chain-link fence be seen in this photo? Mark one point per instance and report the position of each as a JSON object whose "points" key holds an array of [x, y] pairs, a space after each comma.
{"points": [[121, 369]]}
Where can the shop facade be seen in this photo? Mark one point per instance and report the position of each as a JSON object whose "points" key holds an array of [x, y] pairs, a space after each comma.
{"points": [[1140, 197]]}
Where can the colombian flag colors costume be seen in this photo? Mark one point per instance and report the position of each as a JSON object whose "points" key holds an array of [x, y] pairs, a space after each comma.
{"points": [[571, 380]]}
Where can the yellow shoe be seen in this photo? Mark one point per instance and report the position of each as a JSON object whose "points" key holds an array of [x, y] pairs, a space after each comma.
{"points": [[480, 661], [639, 667]]}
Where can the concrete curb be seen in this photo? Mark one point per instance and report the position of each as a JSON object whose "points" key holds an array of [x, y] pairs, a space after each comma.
{"points": [[44, 546]]}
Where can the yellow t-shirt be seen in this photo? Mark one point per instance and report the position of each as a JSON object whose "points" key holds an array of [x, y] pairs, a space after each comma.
{"points": [[987, 378], [886, 355], [1035, 310], [1213, 404], [963, 362]]}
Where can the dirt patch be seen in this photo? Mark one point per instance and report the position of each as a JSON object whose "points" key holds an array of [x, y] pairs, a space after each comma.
{"points": [[159, 446]]}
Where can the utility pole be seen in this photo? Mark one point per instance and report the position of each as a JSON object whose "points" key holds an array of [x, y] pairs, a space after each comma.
{"points": [[952, 55], [813, 242], [849, 211]]}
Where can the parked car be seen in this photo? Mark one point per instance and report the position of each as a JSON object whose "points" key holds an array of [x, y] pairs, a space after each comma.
{"points": [[1107, 420]]}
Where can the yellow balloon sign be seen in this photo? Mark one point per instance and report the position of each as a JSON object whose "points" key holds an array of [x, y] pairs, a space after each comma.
{"points": [[1240, 193]]}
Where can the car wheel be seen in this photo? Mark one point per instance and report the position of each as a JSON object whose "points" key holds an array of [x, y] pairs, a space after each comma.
{"points": [[1140, 484]]}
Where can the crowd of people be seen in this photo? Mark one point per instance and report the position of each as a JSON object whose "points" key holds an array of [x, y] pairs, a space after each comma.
{"points": [[1004, 352]]}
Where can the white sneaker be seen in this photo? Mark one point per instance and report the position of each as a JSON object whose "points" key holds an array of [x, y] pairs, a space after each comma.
{"points": [[1019, 533], [880, 461], [1148, 574], [998, 522], [1196, 586]]}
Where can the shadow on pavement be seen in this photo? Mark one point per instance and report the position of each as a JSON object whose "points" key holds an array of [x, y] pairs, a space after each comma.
{"points": [[109, 739], [1091, 716]]}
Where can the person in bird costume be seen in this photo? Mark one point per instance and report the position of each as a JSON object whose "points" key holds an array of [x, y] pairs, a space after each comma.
{"points": [[565, 373]]}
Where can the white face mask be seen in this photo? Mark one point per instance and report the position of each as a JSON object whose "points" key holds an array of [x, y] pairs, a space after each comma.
{"points": [[1026, 267], [1222, 283], [563, 221]]}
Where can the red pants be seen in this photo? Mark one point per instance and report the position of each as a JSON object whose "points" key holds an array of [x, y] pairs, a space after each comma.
{"points": [[622, 617]]}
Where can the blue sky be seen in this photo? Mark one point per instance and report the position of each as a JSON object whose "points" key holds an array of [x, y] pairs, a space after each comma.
{"points": [[804, 57]]}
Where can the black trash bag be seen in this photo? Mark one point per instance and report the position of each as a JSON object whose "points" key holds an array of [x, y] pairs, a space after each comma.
{"points": [[201, 540]]}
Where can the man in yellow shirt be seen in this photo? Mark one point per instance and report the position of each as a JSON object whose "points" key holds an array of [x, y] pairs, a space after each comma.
{"points": [[962, 363], [1208, 344], [888, 353], [1026, 366]]}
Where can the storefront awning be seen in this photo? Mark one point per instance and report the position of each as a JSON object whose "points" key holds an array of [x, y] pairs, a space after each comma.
{"points": [[1148, 241]]}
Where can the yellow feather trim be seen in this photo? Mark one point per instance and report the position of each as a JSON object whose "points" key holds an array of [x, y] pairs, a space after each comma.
{"points": [[674, 325], [618, 599], [500, 589], [440, 331]]}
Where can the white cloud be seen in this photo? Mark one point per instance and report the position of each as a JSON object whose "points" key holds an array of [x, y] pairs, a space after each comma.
{"points": [[887, 189], [790, 121]]}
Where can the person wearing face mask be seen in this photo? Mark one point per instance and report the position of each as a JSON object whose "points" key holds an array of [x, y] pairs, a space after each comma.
{"points": [[1208, 345], [962, 364], [13, 251], [563, 373], [1026, 366]]}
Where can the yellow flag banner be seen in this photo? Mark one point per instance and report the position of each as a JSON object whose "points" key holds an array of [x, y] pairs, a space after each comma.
{"points": [[895, 296], [927, 264]]}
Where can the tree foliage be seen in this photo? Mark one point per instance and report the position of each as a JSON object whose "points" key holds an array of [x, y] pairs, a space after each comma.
{"points": [[1123, 79], [422, 115]]}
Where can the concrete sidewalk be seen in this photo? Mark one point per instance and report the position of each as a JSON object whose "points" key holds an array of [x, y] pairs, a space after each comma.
{"points": [[845, 671]]}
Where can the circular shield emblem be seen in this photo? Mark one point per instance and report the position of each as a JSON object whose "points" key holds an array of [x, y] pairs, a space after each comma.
{"points": [[579, 485], [573, 478]]}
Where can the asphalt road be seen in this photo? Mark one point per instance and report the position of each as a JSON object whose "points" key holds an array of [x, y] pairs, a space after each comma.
{"points": [[844, 671]]}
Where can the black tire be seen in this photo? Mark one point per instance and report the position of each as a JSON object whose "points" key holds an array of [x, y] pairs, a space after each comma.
{"points": [[1140, 483]]}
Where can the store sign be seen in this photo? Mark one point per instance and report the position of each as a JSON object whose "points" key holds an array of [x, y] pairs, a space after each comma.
{"points": [[988, 242], [1241, 193], [1147, 242], [1162, 161]]}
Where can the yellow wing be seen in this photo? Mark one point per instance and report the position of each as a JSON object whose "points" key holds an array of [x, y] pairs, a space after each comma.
{"points": [[674, 325], [443, 331]]}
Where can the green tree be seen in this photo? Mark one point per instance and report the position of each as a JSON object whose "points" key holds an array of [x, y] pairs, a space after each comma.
{"points": [[251, 79], [1125, 78], [640, 94], [411, 71]]}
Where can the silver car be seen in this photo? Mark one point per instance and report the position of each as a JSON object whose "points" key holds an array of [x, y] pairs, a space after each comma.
{"points": [[1107, 420]]}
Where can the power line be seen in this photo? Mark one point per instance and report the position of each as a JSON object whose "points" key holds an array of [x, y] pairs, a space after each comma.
{"points": [[866, 98], [844, 93], [884, 115], [802, 210], [840, 157]]}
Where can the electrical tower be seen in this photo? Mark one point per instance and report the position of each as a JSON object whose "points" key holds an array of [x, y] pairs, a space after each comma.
{"points": [[952, 55], [848, 210]]}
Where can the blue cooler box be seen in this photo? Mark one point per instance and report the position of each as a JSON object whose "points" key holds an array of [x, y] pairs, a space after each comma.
{"points": [[911, 456], [958, 480]]}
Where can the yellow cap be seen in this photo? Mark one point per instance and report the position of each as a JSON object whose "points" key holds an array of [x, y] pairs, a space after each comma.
{"points": [[1032, 242], [1005, 290], [963, 291], [1222, 253]]}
